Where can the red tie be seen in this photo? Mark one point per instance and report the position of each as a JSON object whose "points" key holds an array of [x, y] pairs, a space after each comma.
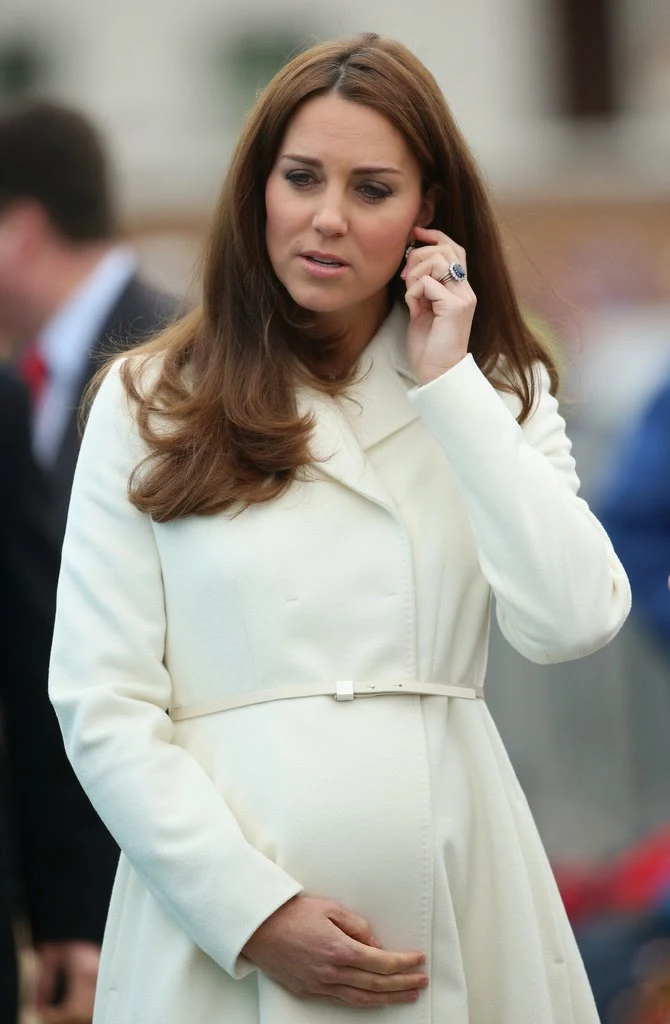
{"points": [[34, 370]]}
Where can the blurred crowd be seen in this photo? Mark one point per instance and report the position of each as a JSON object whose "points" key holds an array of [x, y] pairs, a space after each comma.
{"points": [[72, 292]]}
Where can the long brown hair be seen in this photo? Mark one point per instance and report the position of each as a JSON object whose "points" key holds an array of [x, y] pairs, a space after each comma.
{"points": [[226, 377]]}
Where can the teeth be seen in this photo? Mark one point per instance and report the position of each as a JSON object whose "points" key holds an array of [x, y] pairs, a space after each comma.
{"points": [[327, 263]]}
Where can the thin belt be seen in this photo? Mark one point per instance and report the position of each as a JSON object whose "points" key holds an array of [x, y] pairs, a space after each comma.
{"points": [[341, 690]]}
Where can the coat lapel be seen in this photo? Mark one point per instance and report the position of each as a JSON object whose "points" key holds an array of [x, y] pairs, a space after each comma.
{"points": [[375, 407]]}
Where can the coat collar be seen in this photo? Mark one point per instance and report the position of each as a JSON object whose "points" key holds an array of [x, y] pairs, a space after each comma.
{"points": [[374, 407]]}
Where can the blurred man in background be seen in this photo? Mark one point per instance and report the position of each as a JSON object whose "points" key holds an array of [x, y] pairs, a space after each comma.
{"points": [[53, 846], [69, 290], [69, 293]]}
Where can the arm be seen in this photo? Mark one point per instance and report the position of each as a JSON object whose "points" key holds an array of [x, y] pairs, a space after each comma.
{"points": [[66, 857], [560, 590], [636, 513], [110, 688]]}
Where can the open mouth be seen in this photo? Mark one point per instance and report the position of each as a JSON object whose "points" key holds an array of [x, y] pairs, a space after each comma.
{"points": [[323, 261]]}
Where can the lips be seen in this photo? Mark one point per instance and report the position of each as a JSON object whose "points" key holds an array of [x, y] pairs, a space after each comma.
{"points": [[324, 259]]}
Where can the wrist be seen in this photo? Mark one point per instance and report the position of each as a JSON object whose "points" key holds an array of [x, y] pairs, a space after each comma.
{"points": [[432, 373]]}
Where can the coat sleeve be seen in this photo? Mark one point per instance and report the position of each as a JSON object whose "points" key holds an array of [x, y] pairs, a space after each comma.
{"points": [[111, 688], [636, 513], [560, 590]]}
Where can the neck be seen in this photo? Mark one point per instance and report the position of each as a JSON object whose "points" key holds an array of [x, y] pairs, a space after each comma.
{"points": [[356, 327], [60, 274]]}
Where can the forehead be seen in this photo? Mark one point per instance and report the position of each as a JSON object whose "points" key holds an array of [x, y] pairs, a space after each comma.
{"points": [[331, 128]]}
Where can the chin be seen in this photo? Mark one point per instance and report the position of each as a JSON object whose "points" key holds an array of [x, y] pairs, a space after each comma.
{"points": [[318, 300]]}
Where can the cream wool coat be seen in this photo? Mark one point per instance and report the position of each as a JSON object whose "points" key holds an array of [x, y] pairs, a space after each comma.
{"points": [[380, 567]]}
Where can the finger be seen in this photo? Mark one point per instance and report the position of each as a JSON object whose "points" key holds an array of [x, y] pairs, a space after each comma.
{"points": [[61, 1015], [431, 260], [428, 288], [435, 266], [78, 1005], [353, 925], [369, 982], [418, 306], [53, 1015], [70, 1013], [429, 235], [435, 237], [384, 961], [46, 982], [414, 306], [356, 997], [443, 244], [416, 257]]}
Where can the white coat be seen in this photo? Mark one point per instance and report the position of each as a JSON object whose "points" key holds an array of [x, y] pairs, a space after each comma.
{"points": [[421, 504]]}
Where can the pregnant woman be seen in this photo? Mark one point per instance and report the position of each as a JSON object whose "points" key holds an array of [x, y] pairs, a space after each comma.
{"points": [[291, 513]]}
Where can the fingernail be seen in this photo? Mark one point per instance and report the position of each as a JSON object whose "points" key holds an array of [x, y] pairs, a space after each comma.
{"points": [[424, 982]]}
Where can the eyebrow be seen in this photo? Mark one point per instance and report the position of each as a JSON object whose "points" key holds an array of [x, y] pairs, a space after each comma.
{"points": [[313, 162]]}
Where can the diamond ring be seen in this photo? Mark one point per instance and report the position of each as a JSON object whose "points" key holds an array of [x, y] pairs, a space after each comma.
{"points": [[455, 273]]}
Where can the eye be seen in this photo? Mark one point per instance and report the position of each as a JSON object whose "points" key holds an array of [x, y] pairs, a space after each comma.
{"points": [[373, 193], [299, 179]]}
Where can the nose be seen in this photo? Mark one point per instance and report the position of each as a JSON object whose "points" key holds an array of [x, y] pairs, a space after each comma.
{"points": [[329, 217]]}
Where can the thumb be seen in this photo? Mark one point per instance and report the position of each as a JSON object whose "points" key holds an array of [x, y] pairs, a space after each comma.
{"points": [[353, 925], [48, 965]]}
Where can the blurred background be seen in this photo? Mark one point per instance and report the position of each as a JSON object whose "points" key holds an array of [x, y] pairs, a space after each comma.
{"points": [[566, 104]]}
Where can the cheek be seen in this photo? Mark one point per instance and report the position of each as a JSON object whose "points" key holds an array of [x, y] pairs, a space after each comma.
{"points": [[385, 239], [280, 215]]}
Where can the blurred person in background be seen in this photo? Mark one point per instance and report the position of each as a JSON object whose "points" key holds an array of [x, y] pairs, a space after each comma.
{"points": [[324, 474], [69, 290], [636, 512], [628, 955], [52, 843]]}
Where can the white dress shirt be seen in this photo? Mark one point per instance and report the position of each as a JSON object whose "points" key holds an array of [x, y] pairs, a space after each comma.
{"points": [[65, 343]]}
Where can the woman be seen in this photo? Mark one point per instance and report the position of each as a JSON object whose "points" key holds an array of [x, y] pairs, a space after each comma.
{"points": [[309, 489]]}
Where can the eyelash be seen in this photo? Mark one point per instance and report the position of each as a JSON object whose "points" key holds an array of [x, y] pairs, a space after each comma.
{"points": [[382, 194]]}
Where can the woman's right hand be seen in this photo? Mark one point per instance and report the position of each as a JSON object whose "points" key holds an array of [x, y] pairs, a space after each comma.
{"points": [[317, 949]]}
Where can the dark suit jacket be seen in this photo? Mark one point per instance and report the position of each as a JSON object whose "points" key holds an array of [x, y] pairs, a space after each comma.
{"points": [[60, 852], [138, 312]]}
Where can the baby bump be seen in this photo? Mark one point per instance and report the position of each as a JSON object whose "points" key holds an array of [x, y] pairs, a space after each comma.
{"points": [[338, 794]]}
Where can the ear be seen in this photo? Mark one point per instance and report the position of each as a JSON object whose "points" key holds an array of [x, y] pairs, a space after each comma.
{"points": [[37, 228], [25, 222], [426, 213]]}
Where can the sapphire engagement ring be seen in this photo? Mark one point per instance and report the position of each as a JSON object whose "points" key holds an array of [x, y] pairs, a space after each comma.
{"points": [[456, 273]]}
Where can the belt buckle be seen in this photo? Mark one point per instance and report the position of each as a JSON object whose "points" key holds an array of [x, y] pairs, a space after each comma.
{"points": [[344, 689]]}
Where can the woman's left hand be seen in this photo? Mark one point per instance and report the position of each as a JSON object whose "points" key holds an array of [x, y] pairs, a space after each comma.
{"points": [[440, 313]]}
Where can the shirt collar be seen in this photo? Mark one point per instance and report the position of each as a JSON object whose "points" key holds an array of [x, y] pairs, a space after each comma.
{"points": [[66, 339]]}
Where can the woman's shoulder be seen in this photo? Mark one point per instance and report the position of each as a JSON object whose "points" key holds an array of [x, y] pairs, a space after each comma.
{"points": [[140, 371], [119, 392], [131, 374]]}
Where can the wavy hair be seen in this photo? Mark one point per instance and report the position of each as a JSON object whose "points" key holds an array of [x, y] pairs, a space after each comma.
{"points": [[219, 412]]}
